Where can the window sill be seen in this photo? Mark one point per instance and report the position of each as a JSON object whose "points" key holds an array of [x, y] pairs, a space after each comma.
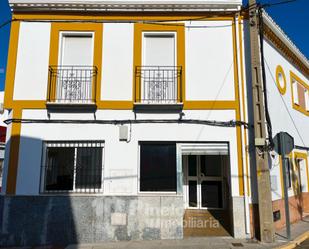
{"points": [[158, 108], [71, 107]]}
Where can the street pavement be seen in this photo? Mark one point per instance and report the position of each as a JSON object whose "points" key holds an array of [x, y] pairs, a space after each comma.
{"points": [[304, 245]]}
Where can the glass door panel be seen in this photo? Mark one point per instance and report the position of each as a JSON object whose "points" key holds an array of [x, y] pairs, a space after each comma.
{"points": [[192, 200], [211, 192], [204, 181], [192, 166]]}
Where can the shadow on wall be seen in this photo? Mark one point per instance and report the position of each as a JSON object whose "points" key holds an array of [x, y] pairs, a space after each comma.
{"points": [[38, 220], [54, 219]]}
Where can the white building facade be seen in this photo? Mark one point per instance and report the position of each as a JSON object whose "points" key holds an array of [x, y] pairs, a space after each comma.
{"points": [[128, 121]]}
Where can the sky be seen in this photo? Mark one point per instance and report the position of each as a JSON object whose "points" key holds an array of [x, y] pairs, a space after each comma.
{"points": [[292, 17], [5, 15]]}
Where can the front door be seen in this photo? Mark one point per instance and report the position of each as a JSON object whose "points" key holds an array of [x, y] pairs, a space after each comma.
{"points": [[206, 195], [204, 181]]}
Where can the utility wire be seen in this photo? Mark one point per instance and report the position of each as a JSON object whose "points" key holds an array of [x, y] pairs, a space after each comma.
{"points": [[266, 5], [267, 115], [231, 123], [154, 22]]}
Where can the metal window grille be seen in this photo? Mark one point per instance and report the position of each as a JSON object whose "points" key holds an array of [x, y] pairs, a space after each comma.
{"points": [[73, 167], [72, 84], [159, 84]]}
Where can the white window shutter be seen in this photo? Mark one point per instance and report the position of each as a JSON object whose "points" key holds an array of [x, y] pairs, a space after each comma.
{"points": [[205, 149], [77, 51], [295, 92], [159, 50]]}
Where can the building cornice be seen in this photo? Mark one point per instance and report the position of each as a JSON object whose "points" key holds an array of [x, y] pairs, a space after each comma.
{"points": [[280, 40], [123, 5]]}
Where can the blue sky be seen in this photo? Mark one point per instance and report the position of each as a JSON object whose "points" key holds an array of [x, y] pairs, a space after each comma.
{"points": [[4, 39], [292, 17]]}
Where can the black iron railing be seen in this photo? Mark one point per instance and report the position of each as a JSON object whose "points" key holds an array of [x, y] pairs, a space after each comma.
{"points": [[158, 84], [72, 84]]}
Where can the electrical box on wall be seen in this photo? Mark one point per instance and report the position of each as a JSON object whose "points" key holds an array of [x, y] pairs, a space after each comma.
{"points": [[123, 133]]}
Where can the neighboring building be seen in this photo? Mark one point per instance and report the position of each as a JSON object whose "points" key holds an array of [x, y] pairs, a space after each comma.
{"points": [[287, 78], [124, 121], [3, 116]]}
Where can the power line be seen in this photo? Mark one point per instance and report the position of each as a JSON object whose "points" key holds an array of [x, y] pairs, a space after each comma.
{"points": [[230, 123], [266, 5], [154, 22]]}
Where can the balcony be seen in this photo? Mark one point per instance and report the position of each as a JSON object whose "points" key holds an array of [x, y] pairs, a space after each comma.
{"points": [[72, 87], [160, 87]]}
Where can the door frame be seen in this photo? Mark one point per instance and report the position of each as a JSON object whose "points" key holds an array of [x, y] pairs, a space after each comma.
{"points": [[199, 179]]}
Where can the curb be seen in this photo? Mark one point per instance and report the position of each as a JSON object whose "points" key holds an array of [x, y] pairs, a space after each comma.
{"points": [[292, 244]]}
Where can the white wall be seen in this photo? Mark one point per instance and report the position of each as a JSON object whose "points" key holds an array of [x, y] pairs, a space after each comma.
{"points": [[121, 158], [209, 61], [32, 61], [280, 115], [283, 116], [117, 65]]}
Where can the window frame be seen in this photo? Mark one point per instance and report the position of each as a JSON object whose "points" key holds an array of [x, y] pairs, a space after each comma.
{"points": [[279, 70], [55, 49], [153, 193], [294, 79], [71, 144], [179, 30]]}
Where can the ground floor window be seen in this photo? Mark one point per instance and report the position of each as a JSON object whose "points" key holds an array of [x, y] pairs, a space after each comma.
{"points": [[158, 167], [73, 166]]}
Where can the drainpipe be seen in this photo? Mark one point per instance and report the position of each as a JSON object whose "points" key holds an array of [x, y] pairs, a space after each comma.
{"points": [[244, 170]]}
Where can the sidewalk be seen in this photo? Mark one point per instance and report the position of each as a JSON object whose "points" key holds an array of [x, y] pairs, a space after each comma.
{"points": [[201, 242]]}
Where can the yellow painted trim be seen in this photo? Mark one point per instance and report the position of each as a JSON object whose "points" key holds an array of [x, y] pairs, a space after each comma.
{"points": [[279, 70], [11, 66], [210, 105], [29, 104], [115, 105], [303, 83], [126, 16], [102, 104], [14, 153], [242, 78], [304, 156], [296, 242], [97, 28], [179, 29], [238, 115]]}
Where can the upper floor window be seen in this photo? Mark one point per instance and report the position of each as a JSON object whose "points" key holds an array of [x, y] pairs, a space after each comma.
{"points": [[159, 73], [75, 56], [158, 64], [300, 94], [75, 73]]}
